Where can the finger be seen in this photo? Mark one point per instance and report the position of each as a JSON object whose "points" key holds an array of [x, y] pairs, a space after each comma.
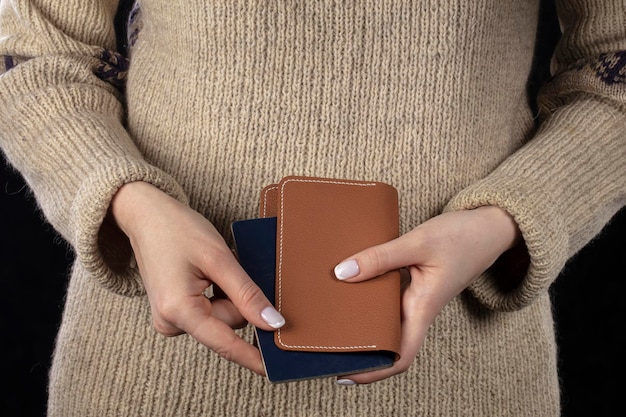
{"points": [[224, 310], [414, 329], [219, 337], [246, 296], [376, 260]]}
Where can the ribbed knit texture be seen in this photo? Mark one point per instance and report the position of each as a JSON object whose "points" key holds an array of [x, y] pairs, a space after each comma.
{"points": [[225, 97]]}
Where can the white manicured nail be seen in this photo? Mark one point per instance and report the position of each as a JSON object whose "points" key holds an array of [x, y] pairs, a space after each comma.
{"points": [[273, 317], [347, 269], [345, 382]]}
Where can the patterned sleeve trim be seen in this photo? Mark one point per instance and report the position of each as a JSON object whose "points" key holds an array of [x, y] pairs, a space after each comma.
{"points": [[603, 77], [133, 25], [8, 62], [112, 68], [611, 68]]}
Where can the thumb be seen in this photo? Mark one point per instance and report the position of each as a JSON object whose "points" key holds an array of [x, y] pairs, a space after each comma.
{"points": [[377, 260], [247, 296]]}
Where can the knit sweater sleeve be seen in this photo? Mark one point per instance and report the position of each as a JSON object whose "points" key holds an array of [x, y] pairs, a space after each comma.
{"points": [[565, 184], [61, 126]]}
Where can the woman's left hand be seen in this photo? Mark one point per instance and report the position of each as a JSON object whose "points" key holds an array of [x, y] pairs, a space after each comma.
{"points": [[443, 255]]}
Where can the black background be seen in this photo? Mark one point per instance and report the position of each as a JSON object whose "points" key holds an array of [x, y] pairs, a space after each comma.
{"points": [[35, 262]]}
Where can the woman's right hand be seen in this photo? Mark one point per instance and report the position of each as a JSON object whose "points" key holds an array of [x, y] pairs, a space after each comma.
{"points": [[180, 254]]}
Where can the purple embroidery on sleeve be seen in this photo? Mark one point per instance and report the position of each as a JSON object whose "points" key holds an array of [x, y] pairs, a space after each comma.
{"points": [[611, 68], [133, 24], [112, 68], [8, 62]]}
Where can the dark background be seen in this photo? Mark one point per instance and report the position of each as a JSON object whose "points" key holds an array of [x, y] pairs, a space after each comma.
{"points": [[35, 262]]}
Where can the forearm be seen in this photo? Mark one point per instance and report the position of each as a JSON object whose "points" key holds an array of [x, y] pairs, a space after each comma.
{"points": [[565, 183], [62, 125]]}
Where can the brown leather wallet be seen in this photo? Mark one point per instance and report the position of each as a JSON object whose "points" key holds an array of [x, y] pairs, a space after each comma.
{"points": [[320, 222]]}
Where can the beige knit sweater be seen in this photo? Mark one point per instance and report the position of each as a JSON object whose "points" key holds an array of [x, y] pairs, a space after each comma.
{"points": [[224, 97]]}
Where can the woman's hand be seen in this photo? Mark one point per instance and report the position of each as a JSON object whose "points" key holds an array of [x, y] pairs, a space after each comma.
{"points": [[180, 254], [443, 255]]}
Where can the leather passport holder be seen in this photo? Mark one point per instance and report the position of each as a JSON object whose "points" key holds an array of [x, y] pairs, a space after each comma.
{"points": [[320, 222], [255, 242]]}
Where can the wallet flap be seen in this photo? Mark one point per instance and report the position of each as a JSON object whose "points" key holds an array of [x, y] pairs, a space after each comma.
{"points": [[269, 201], [320, 222]]}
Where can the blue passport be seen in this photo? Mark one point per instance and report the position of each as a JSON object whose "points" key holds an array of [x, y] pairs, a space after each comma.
{"points": [[255, 243]]}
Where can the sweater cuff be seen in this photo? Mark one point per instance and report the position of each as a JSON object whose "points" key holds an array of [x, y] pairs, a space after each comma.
{"points": [[521, 274], [101, 247]]}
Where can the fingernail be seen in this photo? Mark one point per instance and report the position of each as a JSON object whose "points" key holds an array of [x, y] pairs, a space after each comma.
{"points": [[347, 269], [273, 317], [345, 382]]}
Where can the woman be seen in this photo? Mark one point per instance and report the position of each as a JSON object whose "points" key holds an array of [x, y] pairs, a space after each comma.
{"points": [[224, 98]]}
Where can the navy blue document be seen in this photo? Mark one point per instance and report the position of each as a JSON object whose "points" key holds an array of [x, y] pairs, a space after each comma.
{"points": [[255, 243]]}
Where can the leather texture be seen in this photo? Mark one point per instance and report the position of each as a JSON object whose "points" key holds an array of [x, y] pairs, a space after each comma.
{"points": [[320, 222]]}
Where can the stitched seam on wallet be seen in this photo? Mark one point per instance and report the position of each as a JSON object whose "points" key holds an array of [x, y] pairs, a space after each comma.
{"points": [[280, 259], [267, 191]]}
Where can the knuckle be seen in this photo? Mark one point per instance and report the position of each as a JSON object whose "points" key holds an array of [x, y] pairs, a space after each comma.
{"points": [[404, 364], [248, 294], [377, 259], [225, 349], [225, 354], [164, 328], [167, 310], [214, 254]]}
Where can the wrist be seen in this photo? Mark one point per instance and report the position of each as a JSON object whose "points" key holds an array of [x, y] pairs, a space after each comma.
{"points": [[127, 203], [506, 229]]}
